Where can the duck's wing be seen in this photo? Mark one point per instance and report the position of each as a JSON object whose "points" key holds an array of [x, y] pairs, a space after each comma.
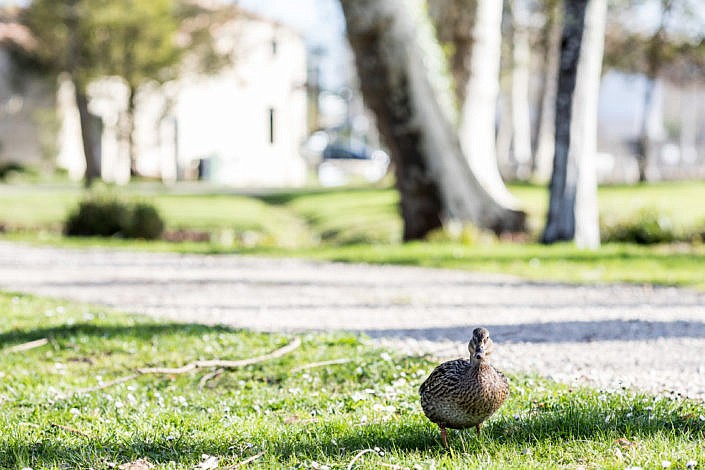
{"points": [[444, 376]]}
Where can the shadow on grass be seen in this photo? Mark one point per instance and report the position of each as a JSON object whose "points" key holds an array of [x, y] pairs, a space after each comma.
{"points": [[138, 331]]}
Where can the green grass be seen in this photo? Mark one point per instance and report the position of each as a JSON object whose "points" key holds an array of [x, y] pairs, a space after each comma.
{"points": [[321, 416], [362, 225]]}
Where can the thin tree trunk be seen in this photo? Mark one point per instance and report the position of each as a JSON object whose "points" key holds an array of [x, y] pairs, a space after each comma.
{"points": [[654, 63], [393, 45], [688, 138], [560, 223], [453, 21], [477, 120], [644, 142], [73, 61], [130, 130], [521, 116], [87, 137], [545, 130]]}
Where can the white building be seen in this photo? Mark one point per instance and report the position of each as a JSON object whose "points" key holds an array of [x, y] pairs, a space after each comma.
{"points": [[244, 125]]}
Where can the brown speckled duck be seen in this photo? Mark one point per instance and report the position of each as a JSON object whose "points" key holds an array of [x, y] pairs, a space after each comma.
{"points": [[460, 394]]}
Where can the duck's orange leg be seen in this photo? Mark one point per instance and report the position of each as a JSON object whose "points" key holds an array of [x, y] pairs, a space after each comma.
{"points": [[443, 436]]}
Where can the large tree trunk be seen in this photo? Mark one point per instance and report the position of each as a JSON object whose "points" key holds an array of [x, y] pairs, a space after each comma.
{"points": [[560, 223], [477, 120], [573, 205], [393, 45], [545, 130], [583, 131]]}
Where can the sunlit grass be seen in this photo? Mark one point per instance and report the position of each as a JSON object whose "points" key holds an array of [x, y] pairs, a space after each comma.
{"points": [[289, 418]]}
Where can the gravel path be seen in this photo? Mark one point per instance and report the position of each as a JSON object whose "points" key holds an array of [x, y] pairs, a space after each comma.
{"points": [[608, 335]]}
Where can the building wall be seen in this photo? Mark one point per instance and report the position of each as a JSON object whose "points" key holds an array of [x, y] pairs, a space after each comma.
{"points": [[27, 116], [247, 122]]}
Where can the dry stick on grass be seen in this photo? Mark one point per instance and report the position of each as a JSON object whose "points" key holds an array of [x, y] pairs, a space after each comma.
{"points": [[245, 462], [320, 364], [224, 364], [71, 430], [27, 346], [204, 380], [200, 365], [360, 454], [106, 384]]}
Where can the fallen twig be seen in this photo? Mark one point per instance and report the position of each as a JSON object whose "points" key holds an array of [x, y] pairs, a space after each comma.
{"points": [[360, 454], [71, 430], [244, 462], [199, 365], [224, 364], [107, 384], [209, 376], [320, 364], [27, 346]]}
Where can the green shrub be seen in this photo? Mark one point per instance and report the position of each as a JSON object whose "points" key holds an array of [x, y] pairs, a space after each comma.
{"points": [[646, 227], [145, 222], [109, 216]]}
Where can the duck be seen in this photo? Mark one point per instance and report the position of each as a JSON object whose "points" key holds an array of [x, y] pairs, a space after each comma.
{"points": [[463, 393]]}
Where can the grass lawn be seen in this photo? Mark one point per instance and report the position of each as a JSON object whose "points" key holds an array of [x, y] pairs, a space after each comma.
{"points": [[362, 225], [287, 412]]}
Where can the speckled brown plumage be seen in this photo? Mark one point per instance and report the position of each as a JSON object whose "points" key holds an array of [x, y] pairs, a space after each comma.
{"points": [[461, 394]]}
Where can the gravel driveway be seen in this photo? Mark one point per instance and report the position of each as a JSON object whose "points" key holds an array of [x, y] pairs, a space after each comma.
{"points": [[607, 335]]}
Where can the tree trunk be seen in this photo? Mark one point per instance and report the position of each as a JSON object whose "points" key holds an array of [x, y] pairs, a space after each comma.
{"points": [[394, 48], [573, 210], [560, 223], [477, 120], [130, 130], [654, 62], [73, 62], [644, 143], [89, 147], [545, 130], [583, 131], [688, 139], [453, 21], [521, 116]]}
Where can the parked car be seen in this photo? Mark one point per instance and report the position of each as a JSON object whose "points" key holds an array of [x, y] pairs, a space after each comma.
{"points": [[343, 163]]}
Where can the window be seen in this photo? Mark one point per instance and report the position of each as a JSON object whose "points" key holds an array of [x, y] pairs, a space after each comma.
{"points": [[274, 46], [271, 125]]}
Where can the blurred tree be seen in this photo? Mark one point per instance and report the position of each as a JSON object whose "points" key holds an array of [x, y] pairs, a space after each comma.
{"points": [[521, 55], [478, 109], [403, 80], [550, 44], [470, 33], [674, 50], [146, 42], [572, 210], [65, 43], [138, 41], [453, 21]]}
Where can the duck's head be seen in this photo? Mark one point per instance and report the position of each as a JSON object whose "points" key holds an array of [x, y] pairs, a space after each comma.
{"points": [[480, 345]]}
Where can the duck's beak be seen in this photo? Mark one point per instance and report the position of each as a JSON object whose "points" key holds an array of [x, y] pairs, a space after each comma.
{"points": [[479, 352]]}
